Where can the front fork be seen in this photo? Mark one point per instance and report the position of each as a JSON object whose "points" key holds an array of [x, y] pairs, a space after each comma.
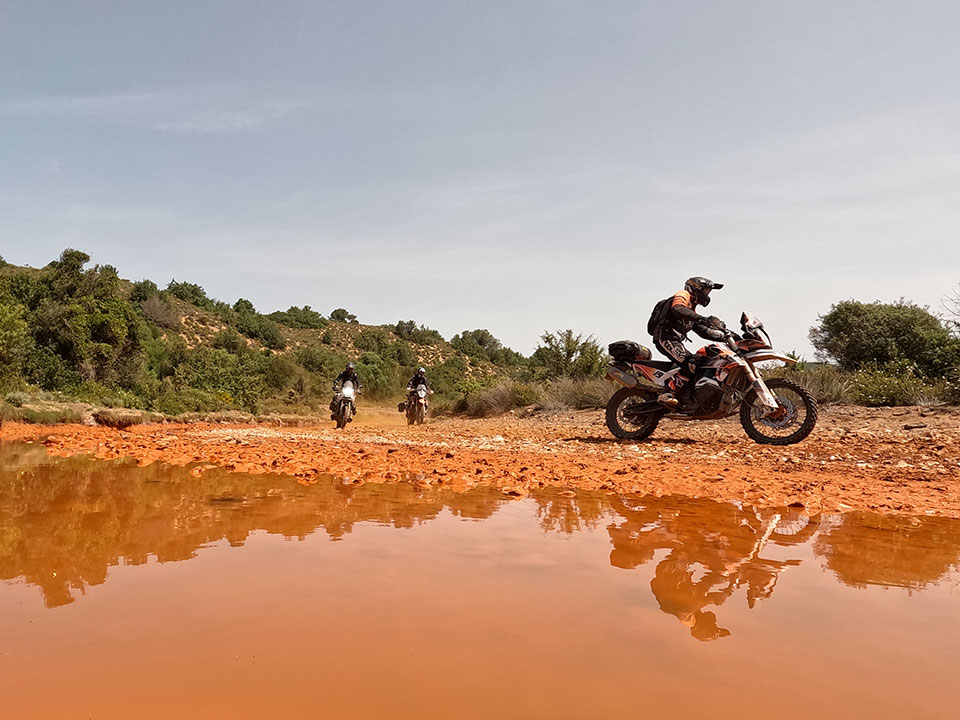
{"points": [[767, 399]]}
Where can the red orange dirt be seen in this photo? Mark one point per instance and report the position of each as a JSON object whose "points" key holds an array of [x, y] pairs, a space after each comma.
{"points": [[903, 460]]}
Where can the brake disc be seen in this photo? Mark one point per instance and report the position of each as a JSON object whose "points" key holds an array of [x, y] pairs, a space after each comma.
{"points": [[783, 421]]}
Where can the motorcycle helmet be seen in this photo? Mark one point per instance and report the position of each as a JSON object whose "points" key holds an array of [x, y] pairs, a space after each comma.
{"points": [[699, 289], [349, 366], [420, 371]]}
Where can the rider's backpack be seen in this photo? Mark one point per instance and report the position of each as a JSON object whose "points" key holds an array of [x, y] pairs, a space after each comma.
{"points": [[659, 315]]}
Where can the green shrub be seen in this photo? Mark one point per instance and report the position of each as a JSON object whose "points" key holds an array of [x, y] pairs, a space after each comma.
{"points": [[230, 340], [828, 383], [893, 384], [563, 354], [142, 290], [17, 399], [419, 335], [191, 293], [303, 318], [160, 312], [341, 315], [570, 394]]}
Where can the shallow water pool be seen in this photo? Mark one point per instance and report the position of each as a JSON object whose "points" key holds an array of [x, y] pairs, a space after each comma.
{"points": [[149, 593]]}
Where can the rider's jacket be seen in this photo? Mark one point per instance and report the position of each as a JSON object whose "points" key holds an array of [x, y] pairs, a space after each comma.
{"points": [[418, 379], [350, 375], [681, 318]]}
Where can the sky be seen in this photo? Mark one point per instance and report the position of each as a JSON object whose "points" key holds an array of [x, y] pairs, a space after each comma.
{"points": [[518, 166]]}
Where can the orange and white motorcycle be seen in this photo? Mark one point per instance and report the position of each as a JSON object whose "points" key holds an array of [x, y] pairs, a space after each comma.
{"points": [[726, 379]]}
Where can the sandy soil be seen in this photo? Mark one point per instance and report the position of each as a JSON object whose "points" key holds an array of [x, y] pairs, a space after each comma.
{"points": [[903, 460]]}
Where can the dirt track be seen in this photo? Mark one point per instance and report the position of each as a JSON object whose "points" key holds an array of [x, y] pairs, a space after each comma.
{"points": [[904, 460]]}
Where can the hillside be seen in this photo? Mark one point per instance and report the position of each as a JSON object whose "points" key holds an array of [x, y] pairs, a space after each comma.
{"points": [[83, 333]]}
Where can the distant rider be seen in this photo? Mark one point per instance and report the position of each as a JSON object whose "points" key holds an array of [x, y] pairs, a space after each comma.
{"points": [[672, 320], [349, 373], [419, 378]]}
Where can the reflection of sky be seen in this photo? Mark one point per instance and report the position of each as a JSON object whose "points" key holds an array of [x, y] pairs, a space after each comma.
{"points": [[547, 152]]}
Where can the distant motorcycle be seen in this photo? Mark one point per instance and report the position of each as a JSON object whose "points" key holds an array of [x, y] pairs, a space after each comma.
{"points": [[417, 405], [727, 380], [344, 404]]}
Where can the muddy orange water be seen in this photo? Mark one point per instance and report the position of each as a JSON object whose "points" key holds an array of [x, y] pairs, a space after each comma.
{"points": [[148, 592]]}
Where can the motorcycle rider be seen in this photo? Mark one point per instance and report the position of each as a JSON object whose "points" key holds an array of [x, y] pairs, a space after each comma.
{"points": [[672, 320], [419, 378], [349, 373]]}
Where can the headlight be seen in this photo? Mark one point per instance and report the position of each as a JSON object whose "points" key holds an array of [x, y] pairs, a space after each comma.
{"points": [[347, 392]]}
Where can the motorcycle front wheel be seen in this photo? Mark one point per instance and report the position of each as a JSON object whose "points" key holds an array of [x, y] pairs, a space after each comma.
{"points": [[794, 420], [631, 426], [343, 417], [421, 414]]}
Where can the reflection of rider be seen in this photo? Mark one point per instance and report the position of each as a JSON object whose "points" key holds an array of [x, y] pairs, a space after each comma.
{"points": [[713, 549], [675, 317]]}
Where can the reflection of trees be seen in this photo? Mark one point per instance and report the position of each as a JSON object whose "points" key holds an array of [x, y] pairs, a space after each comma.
{"points": [[866, 549], [63, 525], [712, 550], [568, 515]]}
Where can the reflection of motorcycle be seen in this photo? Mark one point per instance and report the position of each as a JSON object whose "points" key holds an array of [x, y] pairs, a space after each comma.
{"points": [[417, 405], [344, 404], [713, 550], [726, 378]]}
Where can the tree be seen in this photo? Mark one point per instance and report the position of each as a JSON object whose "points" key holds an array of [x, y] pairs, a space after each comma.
{"points": [[142, 290], [951, 303], [191, 293], [481, 344], [563, 354], [15, 339], [855, 334], [341, 315]]}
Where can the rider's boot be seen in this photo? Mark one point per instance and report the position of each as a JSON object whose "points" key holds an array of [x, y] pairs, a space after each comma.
{"points": [[668, 399]]}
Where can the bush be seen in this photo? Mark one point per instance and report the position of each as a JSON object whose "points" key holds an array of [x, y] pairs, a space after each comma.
{"points": [[231, 341], [142, 290], [302, 318], [17, 399], [828, 383], [563, 354], [341, 315], [893, 384], [422, 335], [857, 334], [160, 312], [570, 394], [191, 293]]}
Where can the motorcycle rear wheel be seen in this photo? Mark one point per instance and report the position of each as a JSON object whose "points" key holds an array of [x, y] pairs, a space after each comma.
{"points": [[421, 414], [624, 428], [793, 399]]}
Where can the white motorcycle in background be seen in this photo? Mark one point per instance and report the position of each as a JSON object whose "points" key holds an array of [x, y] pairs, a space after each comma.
{"points": [[344, 404]]}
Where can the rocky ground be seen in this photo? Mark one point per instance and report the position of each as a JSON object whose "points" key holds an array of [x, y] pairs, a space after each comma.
{"points": [[903, 460]]}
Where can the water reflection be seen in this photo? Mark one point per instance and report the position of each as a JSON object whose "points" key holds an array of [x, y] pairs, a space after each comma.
{"points": [[64, 523], [712, 550]]}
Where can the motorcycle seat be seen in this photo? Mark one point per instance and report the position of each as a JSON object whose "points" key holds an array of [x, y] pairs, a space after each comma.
{"points": [[659, 364]]}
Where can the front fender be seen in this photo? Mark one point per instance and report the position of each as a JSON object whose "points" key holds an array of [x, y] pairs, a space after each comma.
{"points": [[764, 355]]}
